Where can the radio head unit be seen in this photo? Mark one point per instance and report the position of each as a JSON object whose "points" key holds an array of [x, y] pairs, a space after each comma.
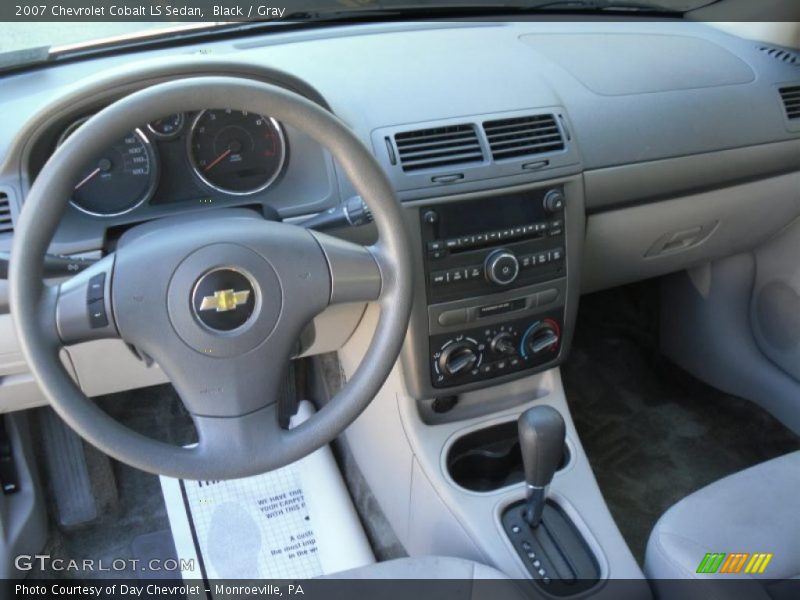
{"points": [[495, 284]]}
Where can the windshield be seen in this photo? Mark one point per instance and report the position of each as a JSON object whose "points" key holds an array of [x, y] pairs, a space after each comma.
{"points": [[56, 32], [25, 35]]}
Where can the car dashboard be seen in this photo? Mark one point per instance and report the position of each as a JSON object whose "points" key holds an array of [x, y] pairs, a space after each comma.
{"points": [[522, 152]]}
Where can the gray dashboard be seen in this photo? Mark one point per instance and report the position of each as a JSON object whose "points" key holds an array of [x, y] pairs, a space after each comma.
{"points": [[631, 95]]}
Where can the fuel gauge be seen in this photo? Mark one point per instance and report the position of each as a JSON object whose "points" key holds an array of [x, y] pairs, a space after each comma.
{"points": [[167, 127]]}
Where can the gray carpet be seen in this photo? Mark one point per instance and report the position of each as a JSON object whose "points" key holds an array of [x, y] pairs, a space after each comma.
{"points": [[652, 432]]}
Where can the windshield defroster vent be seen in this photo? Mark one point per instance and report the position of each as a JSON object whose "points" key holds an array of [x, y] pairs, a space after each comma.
{"points": [[6, 225], [523, 136], [782, 55], [438, 147], [791, 101]]}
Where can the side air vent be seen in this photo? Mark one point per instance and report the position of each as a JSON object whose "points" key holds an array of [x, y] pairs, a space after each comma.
{"points": [[782, 55], [438, 147], [523, 136], [791, 101], [6, 226]]}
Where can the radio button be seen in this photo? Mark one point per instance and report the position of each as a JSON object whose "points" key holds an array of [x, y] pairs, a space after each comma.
{"points": [[553, 201], [453, 317], [474, 272], [439, 278], [501, 267], [547, 297]]}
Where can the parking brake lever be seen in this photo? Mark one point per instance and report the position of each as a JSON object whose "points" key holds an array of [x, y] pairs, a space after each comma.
{"points": [[55, 265]]}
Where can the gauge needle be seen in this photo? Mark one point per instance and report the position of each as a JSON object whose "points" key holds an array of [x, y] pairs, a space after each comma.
{"points": [[88, 178], [216, 161]]}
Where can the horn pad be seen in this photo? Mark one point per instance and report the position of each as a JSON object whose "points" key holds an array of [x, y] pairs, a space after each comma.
{"points": [[224, 299]]}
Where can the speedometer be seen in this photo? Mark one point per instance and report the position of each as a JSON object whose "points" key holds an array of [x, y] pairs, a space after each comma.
{"points": [[236, 152], [122, 178]]}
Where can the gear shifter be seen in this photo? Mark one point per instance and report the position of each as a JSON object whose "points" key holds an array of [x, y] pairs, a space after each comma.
{"points": [[541, 439]]}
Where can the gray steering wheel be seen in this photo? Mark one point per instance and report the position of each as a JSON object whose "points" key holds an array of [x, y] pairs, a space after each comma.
{"points": [[269, 280]]}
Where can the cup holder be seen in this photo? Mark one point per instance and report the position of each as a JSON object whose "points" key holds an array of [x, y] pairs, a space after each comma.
{"points": [[489, 459]]}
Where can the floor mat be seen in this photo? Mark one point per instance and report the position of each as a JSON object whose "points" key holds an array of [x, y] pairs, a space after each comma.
{"points": [[139, 508], [294, 522], [652, 432]]}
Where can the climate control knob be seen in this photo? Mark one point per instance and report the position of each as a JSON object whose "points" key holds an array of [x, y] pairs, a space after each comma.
{"points": [[501, 267], [540, 338], [503, 343], [458, 358]]}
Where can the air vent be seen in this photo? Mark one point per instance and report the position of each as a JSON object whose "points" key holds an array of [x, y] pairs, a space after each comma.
{"points": [[523, 136], [782, 55], [438, 147], [6, 226], [791, 101]]}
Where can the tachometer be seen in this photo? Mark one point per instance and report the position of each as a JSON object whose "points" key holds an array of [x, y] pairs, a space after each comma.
{"points": [[122, 178], [236, 152]]}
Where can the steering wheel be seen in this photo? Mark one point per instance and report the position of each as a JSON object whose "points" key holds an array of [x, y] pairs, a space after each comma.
{"points": [[219, 303]]}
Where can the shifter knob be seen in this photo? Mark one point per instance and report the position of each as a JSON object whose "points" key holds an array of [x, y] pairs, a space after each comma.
{"points": [[541, 439]]}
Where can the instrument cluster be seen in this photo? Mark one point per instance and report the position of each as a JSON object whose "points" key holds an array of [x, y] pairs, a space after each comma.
{"points": [[226, 152]]}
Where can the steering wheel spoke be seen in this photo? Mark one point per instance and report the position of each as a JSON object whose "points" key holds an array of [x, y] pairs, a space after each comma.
{"points": [[355, 272], [83, 307]]}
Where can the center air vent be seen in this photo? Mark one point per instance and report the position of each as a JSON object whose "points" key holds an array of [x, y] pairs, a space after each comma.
{"points": [[6, 225], [791, 101], [523, 136], [438, 147], [782, 55]]}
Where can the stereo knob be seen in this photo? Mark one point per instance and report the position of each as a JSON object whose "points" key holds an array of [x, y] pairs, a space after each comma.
{"points": [[458, 358], [503, 343], [553, 201], [540, 338], [501, 267]]}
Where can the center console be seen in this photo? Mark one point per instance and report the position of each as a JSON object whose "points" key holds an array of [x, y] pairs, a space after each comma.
{"points": [[493, 289], [496, 295]]}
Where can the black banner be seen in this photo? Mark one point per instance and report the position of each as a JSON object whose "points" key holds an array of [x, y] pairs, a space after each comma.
{"points": [[211, 11], [394, 589]]}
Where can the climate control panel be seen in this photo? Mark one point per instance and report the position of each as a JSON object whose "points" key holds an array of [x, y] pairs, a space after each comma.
{"points": [[492, 351]]}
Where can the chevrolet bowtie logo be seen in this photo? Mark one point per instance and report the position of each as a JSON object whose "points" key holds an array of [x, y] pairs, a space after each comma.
{"points": [[224, 300]]}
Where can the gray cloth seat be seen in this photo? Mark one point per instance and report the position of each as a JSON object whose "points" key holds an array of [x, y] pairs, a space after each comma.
{"points": [[752, 511]]}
